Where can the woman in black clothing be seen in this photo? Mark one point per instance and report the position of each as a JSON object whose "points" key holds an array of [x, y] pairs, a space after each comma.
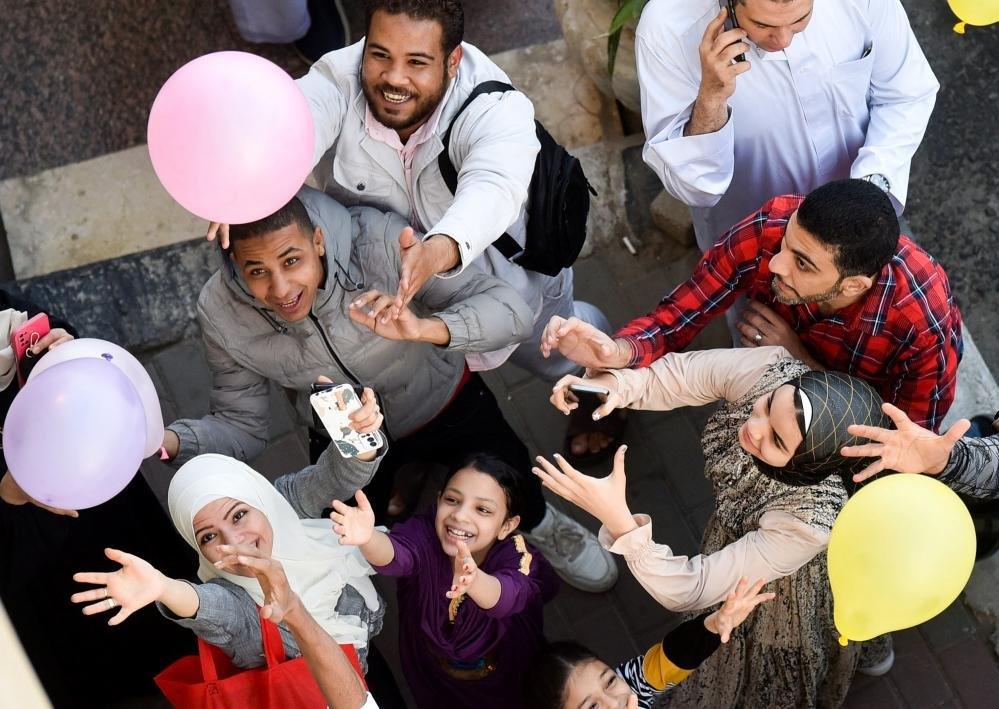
{"points": [[80, 663]]}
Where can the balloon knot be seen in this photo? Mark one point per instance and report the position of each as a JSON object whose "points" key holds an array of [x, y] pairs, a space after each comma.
{"points": [[959, 27], [843, 640]]}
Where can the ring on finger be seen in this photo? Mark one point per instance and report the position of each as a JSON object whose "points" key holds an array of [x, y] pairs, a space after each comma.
{"points": [[758, 337], [106, 593], [111, 602]]}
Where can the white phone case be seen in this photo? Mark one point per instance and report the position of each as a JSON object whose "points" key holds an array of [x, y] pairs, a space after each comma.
{"points": [[349, 442]]}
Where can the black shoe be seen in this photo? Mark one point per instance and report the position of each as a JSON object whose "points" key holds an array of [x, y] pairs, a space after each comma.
{"points": [[328, 30]]}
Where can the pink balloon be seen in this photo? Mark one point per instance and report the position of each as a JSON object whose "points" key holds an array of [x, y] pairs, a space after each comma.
{"points": [[74, 435], [130, 367], [231, 137]]}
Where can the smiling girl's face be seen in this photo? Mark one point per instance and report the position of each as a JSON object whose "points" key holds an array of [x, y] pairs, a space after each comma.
{"points": [[771, 432], [229, 521], [472, 508]]}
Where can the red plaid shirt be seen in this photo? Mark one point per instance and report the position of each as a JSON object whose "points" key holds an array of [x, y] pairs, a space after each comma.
{"points": [[904, 337]]}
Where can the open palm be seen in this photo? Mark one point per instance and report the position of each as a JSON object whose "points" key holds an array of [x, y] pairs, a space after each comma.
{"points": [[354, 525], [135, 585]]}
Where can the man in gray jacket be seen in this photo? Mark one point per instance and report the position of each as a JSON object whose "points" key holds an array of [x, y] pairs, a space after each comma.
{"points": [[302, 295]]}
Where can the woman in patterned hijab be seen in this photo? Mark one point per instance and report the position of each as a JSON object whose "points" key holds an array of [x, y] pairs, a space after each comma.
{"points": [[825, 404]]}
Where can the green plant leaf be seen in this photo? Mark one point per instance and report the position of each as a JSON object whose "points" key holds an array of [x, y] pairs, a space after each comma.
{"points": [[626, 12]]}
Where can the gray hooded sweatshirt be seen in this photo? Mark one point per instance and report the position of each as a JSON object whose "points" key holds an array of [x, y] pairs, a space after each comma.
{"points": [[247, 344]]}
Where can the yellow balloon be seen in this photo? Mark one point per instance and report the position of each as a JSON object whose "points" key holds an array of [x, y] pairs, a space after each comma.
{"points": [[899, 553], [974, 12]]}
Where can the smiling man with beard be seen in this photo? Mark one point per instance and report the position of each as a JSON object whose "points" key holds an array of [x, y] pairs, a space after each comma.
{"points": [[830, 279]]}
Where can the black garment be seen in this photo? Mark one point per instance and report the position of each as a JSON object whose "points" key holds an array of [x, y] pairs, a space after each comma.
{"points": [[80, 660], [472, 423]]}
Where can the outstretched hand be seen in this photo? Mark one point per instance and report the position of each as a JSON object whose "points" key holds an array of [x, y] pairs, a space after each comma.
{"points": [[354, 525], [135, 585], [584, 344], [376, 311], [279, 598], [739, 603], [465, 571], [908, 449], [422, 259], [604, 498], [566, 401]]}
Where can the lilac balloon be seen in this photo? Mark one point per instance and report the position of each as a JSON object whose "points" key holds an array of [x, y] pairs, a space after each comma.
{"points": [[231, 137], [74, 435], [130, 367]]}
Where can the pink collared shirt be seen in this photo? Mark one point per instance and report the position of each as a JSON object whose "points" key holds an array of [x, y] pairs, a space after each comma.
{"points": [[383, 134]]}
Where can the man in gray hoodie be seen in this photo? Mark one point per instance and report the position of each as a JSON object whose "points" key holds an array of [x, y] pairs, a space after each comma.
{"points": [[304, 293]]}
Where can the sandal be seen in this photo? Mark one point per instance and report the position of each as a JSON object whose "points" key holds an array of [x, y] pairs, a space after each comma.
{"points": [[580, 422]]}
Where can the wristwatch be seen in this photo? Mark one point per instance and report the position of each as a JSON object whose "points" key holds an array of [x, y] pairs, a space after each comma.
{"points": [[879, 180]]}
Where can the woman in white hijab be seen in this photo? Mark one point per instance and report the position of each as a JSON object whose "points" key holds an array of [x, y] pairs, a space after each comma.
{"points": [[219, 505]]}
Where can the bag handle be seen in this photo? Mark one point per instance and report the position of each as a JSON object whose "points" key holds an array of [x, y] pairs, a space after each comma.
{"points": [[206, 654], [273, 644]]}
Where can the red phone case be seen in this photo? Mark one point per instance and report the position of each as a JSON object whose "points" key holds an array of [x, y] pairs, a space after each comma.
{"points": [[27, 336]]}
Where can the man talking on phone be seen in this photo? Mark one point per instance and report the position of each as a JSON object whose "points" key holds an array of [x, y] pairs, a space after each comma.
{"points": [[829, 89]]}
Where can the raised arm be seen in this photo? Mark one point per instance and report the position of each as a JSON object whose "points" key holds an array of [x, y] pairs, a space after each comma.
{"points": [[781, 546], [685, 112], [493, 147], [334, 477], [902, 95]]}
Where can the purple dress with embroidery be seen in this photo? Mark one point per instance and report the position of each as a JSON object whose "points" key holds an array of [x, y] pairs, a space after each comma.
{"points": [[446, 664]]}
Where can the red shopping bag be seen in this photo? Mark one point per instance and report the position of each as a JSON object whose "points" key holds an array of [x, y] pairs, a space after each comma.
{"points": [[209, 680]]}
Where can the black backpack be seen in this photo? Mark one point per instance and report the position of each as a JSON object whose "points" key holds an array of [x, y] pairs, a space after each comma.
{"points": [[558, 200]]}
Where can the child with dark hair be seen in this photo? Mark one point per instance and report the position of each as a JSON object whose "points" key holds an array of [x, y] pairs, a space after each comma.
{"points": [[470, 589], [567, 675]]}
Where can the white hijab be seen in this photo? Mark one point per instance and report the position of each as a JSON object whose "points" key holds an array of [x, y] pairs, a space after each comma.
{"points": [[316, 565]]}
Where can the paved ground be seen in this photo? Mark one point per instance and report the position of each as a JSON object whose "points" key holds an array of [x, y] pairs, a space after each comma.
{"points": [[77, 83]]}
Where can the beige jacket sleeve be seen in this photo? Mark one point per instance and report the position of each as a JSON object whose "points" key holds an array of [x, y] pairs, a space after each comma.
{"points": [[695, 378], [781, 546]]}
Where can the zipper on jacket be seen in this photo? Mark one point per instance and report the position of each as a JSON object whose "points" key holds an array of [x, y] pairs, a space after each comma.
{"points": [[329, 347], [350, 375]]}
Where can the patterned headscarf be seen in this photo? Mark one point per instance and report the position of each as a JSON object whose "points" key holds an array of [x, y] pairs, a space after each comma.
{"points": [[833, 401]]}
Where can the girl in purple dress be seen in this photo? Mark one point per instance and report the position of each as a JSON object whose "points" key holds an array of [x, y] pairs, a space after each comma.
{"points": [[470, 589]]}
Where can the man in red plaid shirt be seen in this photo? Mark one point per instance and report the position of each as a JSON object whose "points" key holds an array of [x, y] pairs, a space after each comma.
{"points": [[829, 278]]}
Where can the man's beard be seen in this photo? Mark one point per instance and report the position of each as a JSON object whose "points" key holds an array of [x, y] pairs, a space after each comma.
{"points": [[804, 300], [425, 105]]}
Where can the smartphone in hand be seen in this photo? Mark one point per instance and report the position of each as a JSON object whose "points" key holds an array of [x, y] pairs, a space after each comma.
{"points": [[589, 396], [731, 23], [333, 404], [23, 339]]}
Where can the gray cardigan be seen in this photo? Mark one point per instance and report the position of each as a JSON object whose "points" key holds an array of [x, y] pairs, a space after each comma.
{"points": [[227, 615]]}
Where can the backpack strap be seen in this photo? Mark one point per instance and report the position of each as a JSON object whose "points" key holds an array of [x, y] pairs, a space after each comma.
{"points": [[448, 172], [505, 244]]}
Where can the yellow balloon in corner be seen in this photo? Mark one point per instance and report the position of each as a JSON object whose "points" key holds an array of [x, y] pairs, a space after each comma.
{"points": [[974, 12], [899, 553]]}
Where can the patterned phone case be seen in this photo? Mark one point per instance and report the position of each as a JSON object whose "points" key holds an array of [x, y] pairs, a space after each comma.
{"points": [[349, 442]]}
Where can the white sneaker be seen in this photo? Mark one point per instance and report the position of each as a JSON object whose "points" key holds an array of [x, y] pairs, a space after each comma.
{"points": [[881, 668], [574, 552]]}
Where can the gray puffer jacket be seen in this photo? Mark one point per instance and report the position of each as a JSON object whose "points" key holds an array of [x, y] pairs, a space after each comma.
{"points": [[247, 344]]}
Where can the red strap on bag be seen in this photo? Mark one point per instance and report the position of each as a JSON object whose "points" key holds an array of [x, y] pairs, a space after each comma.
{"points": [[209, 680]]}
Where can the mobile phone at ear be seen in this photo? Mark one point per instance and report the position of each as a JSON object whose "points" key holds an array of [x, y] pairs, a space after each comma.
{"points": [[23, 339], [731, 23]]}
